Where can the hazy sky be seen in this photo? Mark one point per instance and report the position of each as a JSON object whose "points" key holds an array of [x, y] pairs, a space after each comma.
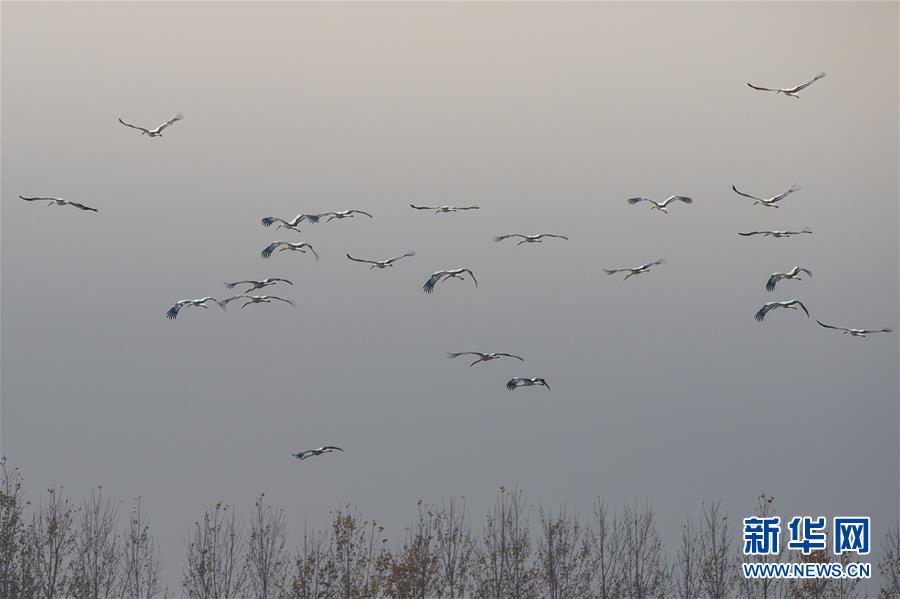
{"points": [[547, 116]]}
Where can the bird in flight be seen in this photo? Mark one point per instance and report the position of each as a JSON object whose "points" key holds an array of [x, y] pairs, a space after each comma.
{"points": [[767, 202], [172, 314], [484, 357], [517, 382], [778, 234], [155, 132], [286, 245], [284, 224], [444, 209], [790, 91], [312, 452], [315, 218], [529, 238], [634, 271], [60, 202], [254, 285], [254, 299], [661, 206], [769, 306], [444, 275], [382, 263], [793, 274], [855, 332]]}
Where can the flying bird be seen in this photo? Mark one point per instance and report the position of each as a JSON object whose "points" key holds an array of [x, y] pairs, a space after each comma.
{"points": [[790, 91], [444, 275], [520, 382], [155, 132], [382, 263], [444, 209], [855, 332], [315, 218], [769, 306], [634, 271], [484, 357], [529, 238], [60, 202], [661, 206], [286, 245], [313, 452], [254, 299], [767, 202], [778, 234], [172, 313], [793, 274], [254, 285], [284, 224]]}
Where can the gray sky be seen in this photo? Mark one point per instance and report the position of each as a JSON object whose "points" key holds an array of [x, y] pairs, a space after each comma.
{"points": [[547, 116]]}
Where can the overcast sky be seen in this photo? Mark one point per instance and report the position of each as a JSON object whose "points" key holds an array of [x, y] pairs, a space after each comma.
{"points": [[548, 116]]}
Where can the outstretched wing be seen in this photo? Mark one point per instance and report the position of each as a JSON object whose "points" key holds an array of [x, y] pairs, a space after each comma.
{"points": [[172, 313], [428, 287], [82, 206], [314, 218], [361, 260], [520, 358], [749, 233], [463, 353], [422, 207], [168, 123], [799, 303], [512, 384], [37, 199], [500, 238], [557, 236], [828, 326], [472, 274], [763, 89], [746, 195], [134, 126], [360, 212], [271, 220], [267, 251], [773, 280], [671, 199], [761, 313], [406, 255], [786, 193], [808, 83], [235, 283], [634, 201], [281, 299], [468, 207], [330, 448]]}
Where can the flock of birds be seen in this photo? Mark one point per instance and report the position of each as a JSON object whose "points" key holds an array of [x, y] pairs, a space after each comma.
{"points": [[247, 298]]}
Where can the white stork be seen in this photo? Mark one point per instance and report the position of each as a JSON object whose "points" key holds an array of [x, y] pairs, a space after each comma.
{"points": [[445, 275], [282, 246], [636, 270], [155, 132], [855, 332], [769, 306], [255, 299], [776, 234], [529, 238], [302, 455], [517, 382], [790, 91], [444, 209], [484, 357], [172, 313], [793, 274], [315, 218], [257, 284], [767, 202], [60, 202], [661, 206], [382, 263]]}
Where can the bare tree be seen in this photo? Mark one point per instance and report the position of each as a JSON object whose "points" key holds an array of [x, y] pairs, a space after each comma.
{"points": [[268, 561], [889, 564], [314, 575], [141, 559], [505, 569], [763, 588], [688, 573], [52, 539], [605, 537], [562, 555], [97, 557], [718, 567], [16, 580], [415, 569], [358, 555], [214, 565], [645, 572], [455, 548]]}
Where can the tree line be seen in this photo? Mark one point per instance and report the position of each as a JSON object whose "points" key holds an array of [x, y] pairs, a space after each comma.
{"points": [[57, 548]]}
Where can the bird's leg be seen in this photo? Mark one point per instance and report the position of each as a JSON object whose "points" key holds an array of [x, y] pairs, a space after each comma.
{"points": [[520, 243], [245, 305]]}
